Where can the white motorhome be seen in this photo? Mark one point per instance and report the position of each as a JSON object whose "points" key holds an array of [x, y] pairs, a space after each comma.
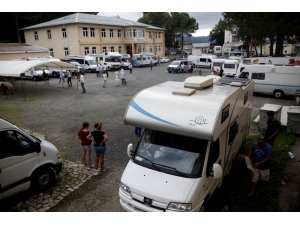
{"points": [[273, 80], [25, 161], [111, 59], [230, 66], [203, 60], [269, 60], [144, 59], [217, 49], [87, 62], [125, 61], [192, 134]]}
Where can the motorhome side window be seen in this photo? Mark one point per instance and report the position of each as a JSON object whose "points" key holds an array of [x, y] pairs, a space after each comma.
{"points": [[229, 66], [225, 113], [171, 153], [258, 76], [213, 157], [202, 60], [13, 144], [233, 131]]}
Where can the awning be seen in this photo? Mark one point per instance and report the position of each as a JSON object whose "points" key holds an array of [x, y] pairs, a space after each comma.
{"points": [[15, 68]]}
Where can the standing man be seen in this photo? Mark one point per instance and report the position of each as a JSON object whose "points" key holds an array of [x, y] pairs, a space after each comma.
{"points": [[61, 76], [130, 68], [221, 72], [272, 129], [151, 64], [97, 70], [122, 76], [103, 69], [100, 70], [69, 78], [81, 79], [262, 154]]}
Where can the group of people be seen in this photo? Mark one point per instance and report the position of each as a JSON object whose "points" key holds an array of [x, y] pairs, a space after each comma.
{"points": [[217, 72], [101, 70], [98, 137]]}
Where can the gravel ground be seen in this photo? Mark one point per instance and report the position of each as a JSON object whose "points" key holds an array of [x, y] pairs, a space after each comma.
{"points": [[58, 112]]}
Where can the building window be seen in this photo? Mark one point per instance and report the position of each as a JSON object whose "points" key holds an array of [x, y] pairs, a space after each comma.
{"points": [[92, 32], [66, 51], [64, 32], [119, 34], [51, 52], [127, 33], [150, 34], [49, 34], [138, 33], [85, 32], [150, 48], [103, 33], [36, 36], [94, 50], [111, 33], [112, 49], [159, 35], [156, 48], [104, 49], [156, 34], [159, 48], [134, 33], [139, 49], [120, 49], [86, 50]]}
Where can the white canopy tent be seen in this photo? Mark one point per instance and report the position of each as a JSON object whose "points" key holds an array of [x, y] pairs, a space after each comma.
{"points": [[15, 68]]}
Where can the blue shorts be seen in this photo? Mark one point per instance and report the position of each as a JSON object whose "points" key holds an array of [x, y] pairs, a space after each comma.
{"points": [[100, 149], [87, 147]]}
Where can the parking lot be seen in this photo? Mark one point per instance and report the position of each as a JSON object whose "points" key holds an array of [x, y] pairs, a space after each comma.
{"points": [[58, 111]]}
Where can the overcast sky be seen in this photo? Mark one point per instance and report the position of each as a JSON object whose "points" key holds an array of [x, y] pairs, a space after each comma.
{"points": [[206, 20]]}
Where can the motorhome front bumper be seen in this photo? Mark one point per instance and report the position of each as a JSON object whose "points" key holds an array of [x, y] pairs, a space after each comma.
{"points": [[58, 167]]}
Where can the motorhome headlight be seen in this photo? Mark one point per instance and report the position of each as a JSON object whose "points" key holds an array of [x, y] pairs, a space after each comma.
{"points": [[125, 189], [180, 207]]}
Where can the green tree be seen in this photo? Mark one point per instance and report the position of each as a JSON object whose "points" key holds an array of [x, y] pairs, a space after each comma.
{"points": [[217, 33]]}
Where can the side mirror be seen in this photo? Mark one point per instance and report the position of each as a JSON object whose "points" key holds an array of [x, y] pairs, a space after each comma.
{"points": [[129, 150], [37, 147], [217, 171]]}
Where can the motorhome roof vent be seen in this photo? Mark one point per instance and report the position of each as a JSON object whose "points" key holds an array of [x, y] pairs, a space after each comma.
{"points": [[237, 84], [198, 83], [184, 91], [217, 80]]}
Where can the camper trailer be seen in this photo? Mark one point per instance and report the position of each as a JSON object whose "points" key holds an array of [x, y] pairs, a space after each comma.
{"points": [[125, 61], [144, 58], [203, 60], [273, 80], [111, 59], [192, 134], [230, 66], [87, 62], [217, 49]]}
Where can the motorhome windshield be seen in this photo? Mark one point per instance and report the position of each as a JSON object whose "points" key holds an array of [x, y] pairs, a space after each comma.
{"points": [[92, 62], [169, 153], [123, 60], [112, 59]]}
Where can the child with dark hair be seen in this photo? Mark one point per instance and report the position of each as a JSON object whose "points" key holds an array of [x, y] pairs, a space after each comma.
{"points": [[85, 144]]}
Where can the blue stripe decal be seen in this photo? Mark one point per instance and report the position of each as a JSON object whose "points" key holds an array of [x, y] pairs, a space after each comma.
{"points": [[282, 85], [144, 112]]}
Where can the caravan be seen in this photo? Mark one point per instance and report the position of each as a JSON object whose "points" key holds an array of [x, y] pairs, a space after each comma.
{"points": [[203, 60], [273, 80], [192, 134], [87, 62], [230, 66], [110, 59], [144, 59]]}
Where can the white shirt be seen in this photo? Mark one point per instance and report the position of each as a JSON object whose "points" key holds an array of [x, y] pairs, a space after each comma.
{"points": [[68, 73], [104, 76], [122, 74], [98, 68], [104, 67], [81, 78], [61, 74]]}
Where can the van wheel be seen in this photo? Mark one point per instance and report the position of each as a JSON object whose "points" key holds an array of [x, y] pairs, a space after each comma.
{"points": [[89, 70], [278, 94], [34, 78], [169, 71], [43, 179]]}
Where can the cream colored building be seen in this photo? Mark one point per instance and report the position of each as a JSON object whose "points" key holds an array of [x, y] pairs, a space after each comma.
{"points": [[82, 34]]}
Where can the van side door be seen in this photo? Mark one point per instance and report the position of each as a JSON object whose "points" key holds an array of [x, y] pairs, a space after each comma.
{"points": [[18, 159]]}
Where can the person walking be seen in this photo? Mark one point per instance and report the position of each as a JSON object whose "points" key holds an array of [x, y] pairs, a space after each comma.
{"points": [[61, 76], [182, 67], [103, 69], [191, 68], [81, 80], [122, 76], [212, 71], [272, 129], [104, 80], [151, 64], [117, 75], [106, 69], [44, 77], [221, 72], [130, 68], [262, 154], [69, 78], [200, 72], [99, 137], [97, 70], [85, 144]]}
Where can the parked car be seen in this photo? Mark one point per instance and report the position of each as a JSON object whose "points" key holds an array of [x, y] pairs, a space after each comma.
{"points": [[175, 66], [164, 60], [26, 161], [35, 73]]}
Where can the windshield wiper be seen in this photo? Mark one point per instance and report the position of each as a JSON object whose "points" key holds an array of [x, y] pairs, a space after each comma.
{"points": [[149, 161], [182, 174]]}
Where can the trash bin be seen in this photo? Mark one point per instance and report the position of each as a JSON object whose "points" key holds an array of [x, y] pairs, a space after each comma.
{"points": [[263, 118], [293, 120]]}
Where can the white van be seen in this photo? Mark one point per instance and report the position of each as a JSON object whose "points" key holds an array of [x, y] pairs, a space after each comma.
{"points": [[110, 59], [25, 161], [202, 60], [144, 58], [192, 134], [230, 66], [273, 80], [87, 62]]}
